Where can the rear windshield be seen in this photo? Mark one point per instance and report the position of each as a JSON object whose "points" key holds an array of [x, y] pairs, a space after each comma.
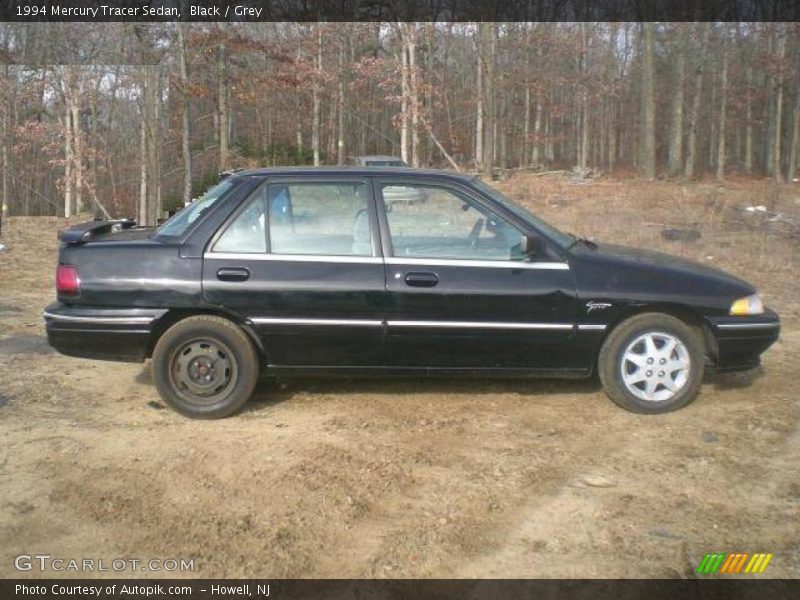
{"points": [[181, 221]]}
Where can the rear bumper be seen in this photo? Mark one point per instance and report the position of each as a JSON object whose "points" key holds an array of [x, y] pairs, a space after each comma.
{"points": [[741, 340], [101, 333]]}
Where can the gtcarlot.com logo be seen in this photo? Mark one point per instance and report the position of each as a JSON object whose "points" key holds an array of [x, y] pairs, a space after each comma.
{"points": [[45, 562], [732, 563]]}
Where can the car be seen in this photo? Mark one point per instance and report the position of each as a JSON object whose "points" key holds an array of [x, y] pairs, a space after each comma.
{"points": [[312, 271], [378, 160]]}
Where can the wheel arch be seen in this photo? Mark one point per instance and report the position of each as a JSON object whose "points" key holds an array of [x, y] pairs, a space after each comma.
{"points": [[175, 315], [687, 314]]}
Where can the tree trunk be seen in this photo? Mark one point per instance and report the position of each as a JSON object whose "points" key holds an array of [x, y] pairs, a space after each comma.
{"points": [[299, 141], [153, 145], [648, 147], [414, 92], [748, 139], [479, 106], [691, 142], [340, 143], [68, 159], [141, 217], [405, 90], [778, 111], [222, 109], [6, 101], [77, 153], [315, 122], [186, 131], [723, 100], [675, 152], [526, 120], [487, 31]]}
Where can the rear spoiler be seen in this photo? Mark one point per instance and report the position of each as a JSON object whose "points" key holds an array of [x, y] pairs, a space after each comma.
{"points": [[85, 232]]}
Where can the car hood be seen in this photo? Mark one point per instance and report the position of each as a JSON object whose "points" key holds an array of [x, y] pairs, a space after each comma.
{"points": [[668, 270]]}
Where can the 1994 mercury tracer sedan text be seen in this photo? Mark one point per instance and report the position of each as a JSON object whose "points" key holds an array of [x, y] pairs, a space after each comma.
{"points": [[391, 271]]}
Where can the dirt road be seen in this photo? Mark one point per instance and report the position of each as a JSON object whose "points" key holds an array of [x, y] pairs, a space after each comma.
{"points": [[414, 478]]}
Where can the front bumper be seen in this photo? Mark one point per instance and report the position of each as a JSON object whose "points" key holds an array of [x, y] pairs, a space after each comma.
{"points": [[120, 334], [740, 340]]}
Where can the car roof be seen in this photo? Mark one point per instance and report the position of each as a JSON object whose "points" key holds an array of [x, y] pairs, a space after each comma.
{"points": [[357, 171]]}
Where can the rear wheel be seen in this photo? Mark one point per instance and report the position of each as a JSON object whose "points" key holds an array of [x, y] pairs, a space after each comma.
{"points": [[652, 363], [205, 367]]}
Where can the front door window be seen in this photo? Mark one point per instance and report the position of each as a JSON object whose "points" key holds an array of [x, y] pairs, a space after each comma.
{"points": [[439, 223]]}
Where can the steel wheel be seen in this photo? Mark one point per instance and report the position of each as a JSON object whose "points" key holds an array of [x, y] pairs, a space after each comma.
{"points": [[655, 366], [203, 370]]}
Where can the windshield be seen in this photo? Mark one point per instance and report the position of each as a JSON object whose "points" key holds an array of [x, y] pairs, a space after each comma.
{"points": [[556, 235], [180, 222]]}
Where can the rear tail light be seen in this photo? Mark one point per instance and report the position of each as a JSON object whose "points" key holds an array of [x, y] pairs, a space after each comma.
{"points": [[67, 281]]}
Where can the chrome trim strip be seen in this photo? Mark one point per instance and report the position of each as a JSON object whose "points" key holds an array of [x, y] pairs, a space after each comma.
{"points": [[114, 331], [591, 327], [433, 324], [100, 320], [479, 325], [495, 264], [371, 260], [376, 260], [281, 321], [748, 325]]}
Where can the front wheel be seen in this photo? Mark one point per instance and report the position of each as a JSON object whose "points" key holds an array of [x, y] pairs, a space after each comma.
{"points": [[652, 363], [205, 367]]}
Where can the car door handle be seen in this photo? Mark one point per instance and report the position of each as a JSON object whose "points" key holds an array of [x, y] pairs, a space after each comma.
{"points": [[422, 279], [233, 274]]}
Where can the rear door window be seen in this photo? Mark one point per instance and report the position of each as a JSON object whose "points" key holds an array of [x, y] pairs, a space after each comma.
{"points": [[319, 219]]}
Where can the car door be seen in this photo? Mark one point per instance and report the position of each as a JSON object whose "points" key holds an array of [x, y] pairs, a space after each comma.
{"points": [[301, 261], [461, 294]]}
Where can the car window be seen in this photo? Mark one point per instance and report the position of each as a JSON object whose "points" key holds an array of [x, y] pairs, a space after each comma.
{"points": [[181, 221], [435, 222], [246, 234], [319, 218], [560, 237]]}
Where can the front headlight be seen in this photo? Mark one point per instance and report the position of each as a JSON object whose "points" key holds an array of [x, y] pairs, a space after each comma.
{"points": [[750, 305]]}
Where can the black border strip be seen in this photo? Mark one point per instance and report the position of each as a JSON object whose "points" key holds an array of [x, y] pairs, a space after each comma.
{"points": [[404, 10], [438, 589]]}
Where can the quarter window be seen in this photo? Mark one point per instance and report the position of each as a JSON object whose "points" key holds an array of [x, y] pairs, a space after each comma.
{"points": [[246, 233], [435, 222]]}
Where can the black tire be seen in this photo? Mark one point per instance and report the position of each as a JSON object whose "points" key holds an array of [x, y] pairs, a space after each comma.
{"points": [[610, 364], [205, 367]]}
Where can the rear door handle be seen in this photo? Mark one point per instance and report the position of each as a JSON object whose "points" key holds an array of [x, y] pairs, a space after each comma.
{"points": [[422, 279], [233, 274]]}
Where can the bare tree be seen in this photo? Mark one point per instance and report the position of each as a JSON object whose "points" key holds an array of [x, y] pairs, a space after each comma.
{"points": [[723, 102], [780, 45], [694, 115], [648, 143], [186, 122], [222, 108], [675, 152]]}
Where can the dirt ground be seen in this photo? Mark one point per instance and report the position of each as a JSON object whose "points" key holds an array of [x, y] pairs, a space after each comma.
{"points": [[414, 478]]}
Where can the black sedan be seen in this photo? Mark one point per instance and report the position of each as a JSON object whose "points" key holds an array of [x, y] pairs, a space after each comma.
{"points": [[336, 272]]}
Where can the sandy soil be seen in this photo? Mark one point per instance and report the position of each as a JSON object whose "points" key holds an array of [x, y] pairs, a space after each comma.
{"points": [[412, 478]]}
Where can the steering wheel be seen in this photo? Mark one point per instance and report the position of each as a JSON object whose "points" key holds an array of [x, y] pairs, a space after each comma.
{"points": [[474, 235]]}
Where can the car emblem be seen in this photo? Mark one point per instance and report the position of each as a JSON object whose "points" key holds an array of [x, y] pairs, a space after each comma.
{"points": [[591, 305]]}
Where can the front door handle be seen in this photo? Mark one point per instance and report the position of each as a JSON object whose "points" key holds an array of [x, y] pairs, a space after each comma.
{"points": [[422, 279], [233, 274]]}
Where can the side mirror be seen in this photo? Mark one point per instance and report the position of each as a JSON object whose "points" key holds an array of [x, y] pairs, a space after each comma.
{"points": [[531, 245]]}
